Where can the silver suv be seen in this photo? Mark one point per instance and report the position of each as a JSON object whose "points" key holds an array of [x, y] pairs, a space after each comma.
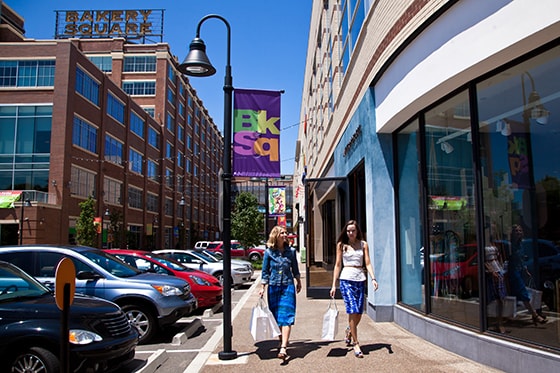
{"points": [[150, 301]]}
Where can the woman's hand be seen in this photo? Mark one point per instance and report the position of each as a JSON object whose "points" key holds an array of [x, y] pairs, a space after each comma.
{"points": [[375, 284], [261, 292], [332, 292]]}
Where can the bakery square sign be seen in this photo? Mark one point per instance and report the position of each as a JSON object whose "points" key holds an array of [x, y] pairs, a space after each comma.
{"points": [[130, 24]]}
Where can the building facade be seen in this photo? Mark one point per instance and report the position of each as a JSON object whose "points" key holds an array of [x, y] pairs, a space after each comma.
{"points": [[433, 124], [107, 119]]}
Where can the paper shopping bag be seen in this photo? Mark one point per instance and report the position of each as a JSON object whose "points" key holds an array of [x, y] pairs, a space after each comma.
{"points": [[330, 322], [535, 295], [263, 326]]}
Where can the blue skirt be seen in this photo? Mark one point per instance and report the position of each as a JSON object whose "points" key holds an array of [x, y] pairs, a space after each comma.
{"points": [[282, 303], [353, 293], [517, 286]]}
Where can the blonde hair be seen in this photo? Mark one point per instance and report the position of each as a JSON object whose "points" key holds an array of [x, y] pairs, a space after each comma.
{"points": [[274, 236]]}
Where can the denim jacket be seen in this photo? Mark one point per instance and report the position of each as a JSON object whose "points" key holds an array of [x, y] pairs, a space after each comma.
{"points": [[279, 268]]}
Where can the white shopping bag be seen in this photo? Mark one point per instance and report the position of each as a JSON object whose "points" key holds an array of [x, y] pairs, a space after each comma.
{"points": [[263, 325], [330, 322]]}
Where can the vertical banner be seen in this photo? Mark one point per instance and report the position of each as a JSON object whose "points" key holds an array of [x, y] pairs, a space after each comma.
{"points": [[281, 221], [519, 158], [256, 133], [276, 201]]}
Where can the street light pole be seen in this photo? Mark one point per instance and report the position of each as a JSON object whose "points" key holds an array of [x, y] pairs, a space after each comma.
{"points": [[24, 202], [197, 64]]}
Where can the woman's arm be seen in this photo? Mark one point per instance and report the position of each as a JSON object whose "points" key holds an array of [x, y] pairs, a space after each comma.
{"points": [[337, 268], [265, 272], [369, 267]]}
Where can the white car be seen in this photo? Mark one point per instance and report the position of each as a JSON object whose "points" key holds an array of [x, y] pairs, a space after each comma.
{"points": [[240, 274], [218, 257]]}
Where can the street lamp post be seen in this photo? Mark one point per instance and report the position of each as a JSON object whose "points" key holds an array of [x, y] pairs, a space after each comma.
{"points": [[197, 64], [107, 216]]}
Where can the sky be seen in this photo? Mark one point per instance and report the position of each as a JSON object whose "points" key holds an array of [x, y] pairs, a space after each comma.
{"points": [[268, 46]]}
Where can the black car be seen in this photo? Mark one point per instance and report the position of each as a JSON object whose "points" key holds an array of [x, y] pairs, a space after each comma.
{"points": [[101, 339]]}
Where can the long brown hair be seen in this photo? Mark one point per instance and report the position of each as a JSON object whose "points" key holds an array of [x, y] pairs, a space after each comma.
{"points": [[343, 237]]}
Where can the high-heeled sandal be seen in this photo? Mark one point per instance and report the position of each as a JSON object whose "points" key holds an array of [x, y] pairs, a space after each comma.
{"points": [[283, 354], [348, 337], [359, 354], [537, 319]]}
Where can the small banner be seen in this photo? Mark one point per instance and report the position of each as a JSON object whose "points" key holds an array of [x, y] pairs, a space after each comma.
{"points": [[8, 197], [256, 133], [519, 158], [276, 201]]}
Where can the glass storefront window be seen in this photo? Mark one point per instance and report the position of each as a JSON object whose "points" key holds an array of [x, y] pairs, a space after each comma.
{"points": [[519, 129], [452, 248], [412, 248]]}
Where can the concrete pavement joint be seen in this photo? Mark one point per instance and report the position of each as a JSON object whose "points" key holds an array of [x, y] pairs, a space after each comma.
{"points": [[206, 352], [154, 362]]}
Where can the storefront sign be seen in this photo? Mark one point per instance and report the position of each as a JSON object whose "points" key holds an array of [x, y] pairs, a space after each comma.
{"points": [[130, 24]]}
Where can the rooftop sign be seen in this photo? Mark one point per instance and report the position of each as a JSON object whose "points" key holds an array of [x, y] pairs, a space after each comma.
{"points": [[129, 24]]}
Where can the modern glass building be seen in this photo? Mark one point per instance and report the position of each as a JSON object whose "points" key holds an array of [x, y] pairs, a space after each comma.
{"points": [[434, 124]]}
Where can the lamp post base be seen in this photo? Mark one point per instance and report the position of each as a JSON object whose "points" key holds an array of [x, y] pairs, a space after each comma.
{"points": [[229, 355]]}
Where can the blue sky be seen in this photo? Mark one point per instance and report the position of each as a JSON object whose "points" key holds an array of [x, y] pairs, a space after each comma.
{"points": [[268, 46]]}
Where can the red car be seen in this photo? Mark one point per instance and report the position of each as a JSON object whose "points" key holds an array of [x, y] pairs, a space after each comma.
{"points": [[456, 272], [237, 251], [205, 287]]}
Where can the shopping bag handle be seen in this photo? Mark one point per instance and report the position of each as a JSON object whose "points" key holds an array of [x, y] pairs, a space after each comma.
{"points": [[332, 303]]}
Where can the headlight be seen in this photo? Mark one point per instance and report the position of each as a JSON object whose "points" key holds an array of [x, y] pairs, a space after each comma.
{"points": [[200, 281], [83, 337], [167, 290]]}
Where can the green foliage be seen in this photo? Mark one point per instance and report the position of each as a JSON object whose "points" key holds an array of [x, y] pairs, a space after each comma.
{"points": [[246, 220], [86, 233]]}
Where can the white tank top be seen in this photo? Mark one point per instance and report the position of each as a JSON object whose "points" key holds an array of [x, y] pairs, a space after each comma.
{"points": [[353, 263]]}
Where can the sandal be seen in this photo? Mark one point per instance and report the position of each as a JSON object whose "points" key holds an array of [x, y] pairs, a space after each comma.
{"points": [[359, 354], [537, 319], [282, 354], [348, 337]]}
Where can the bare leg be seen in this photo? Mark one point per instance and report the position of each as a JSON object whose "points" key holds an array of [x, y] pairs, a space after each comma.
{"points": [[353, 320], [500, 304], [286, 335]]}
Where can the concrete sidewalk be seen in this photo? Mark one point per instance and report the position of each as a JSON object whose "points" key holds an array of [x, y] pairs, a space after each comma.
{"points": [[386, 346]]}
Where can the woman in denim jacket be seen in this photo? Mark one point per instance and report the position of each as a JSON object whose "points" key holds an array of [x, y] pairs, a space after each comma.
{"points": [[279, 269]]}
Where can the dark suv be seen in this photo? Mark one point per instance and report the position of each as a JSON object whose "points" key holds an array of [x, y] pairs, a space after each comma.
{"points": [[100, 336], [149, 300]]}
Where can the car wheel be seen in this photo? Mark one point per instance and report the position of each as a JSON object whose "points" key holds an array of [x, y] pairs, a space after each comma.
{"points": [[220, 277], [143, 320], [254, 257], [35, 360]]}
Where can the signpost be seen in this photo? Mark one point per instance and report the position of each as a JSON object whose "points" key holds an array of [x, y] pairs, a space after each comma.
{"points": [[65, 286]]}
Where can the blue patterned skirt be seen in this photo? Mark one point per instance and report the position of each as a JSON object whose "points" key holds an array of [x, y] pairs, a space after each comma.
{"points": [[282, 303], [353, 293]]}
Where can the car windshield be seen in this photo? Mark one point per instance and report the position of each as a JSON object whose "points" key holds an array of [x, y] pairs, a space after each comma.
{"points": [[215, 255], [208, 258], [111, 264], [15, 284], [169, 263]]}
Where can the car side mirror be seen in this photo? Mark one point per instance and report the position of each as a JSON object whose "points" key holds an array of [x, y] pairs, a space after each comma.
{"points": [[87, 275]]}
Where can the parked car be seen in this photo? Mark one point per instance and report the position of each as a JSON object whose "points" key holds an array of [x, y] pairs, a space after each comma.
{"points": [[237, 250], [218, 257], [199, 245], [239, 274], [150, 301], [100, 337], [456, 271], [205, 287]]}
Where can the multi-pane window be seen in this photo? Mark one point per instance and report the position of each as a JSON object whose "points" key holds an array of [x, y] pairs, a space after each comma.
{"points": [[152, 171], [135, 161], [112, 191], [153, 137], [168, 206], [180, 133], [139, 63], [84, 135], [82, 182], [113, 150], [115, 108], [182, 109], [104, 63], [189, 142], [169, 150], [170, 123], [169, 178], [137, 125], [171, 73], [180, 159], [87, 86], [171, 96], [152, 202], [150, 110], [135, 197], [188, 166], [27, 73], [139, 87]]}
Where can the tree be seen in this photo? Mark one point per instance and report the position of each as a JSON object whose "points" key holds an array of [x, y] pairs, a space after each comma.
{"points": [[86, 233], [247, 221]]}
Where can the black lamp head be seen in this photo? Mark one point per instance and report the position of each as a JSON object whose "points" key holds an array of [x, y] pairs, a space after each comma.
{"points": [[197, 63]]}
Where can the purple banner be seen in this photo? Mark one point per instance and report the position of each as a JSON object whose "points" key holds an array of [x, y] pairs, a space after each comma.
{"points": [[256, 133], [518, 155]]}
